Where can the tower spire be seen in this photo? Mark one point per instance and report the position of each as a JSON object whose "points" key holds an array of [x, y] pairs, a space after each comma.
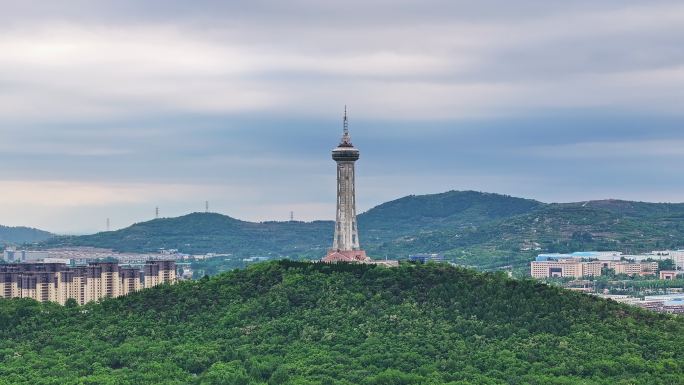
{"points": [[345, 123], [346, 139]]}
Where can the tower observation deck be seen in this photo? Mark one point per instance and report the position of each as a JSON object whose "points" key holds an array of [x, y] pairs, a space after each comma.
{"points": [[346, 246]]}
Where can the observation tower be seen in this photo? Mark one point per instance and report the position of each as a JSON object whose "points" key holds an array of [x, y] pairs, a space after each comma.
{"points": [[345, 246]]}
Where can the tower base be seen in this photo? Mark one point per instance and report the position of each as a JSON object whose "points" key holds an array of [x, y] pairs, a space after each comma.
{"points": [[334, 256]]}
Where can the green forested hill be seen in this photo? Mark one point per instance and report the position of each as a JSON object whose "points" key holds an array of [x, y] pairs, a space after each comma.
{"points": [[210, 232], [555, 228], [456, 210], [18, 235], [304, 323], [470, 227]]}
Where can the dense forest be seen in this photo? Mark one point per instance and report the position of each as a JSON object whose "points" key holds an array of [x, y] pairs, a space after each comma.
{"points": [[471, 228], [309, 323]]}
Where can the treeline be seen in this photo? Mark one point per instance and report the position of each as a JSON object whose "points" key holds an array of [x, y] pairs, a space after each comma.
{"points": [[307, 323]]}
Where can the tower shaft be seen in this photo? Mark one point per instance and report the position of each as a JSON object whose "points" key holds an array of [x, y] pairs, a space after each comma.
{"points": [[346, 231]]}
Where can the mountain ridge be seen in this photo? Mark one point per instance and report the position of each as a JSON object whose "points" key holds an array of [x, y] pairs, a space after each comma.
{"points": [[468, 226]]}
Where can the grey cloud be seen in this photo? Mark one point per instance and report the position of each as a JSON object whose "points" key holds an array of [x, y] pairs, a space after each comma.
{"points": [[239, 102]]}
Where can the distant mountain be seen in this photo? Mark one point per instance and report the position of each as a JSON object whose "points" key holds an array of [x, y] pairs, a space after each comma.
{"points": [[622, 226], [417, 214], [19, 235], [473, 227], [303, 323], [210, 232]]}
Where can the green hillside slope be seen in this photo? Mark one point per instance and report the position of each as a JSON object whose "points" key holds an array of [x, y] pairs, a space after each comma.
{"points": [[552, 228], [19, 235], [302, 323]]}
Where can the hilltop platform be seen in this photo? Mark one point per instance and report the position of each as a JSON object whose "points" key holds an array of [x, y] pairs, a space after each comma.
{"points": [[355, 256]]}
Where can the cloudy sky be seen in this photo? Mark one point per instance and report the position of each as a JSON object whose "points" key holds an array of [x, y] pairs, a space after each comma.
{"points": [[110, 108]]}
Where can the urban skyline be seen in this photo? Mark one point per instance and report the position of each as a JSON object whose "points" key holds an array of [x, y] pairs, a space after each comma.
{"points": [[112, 109]]}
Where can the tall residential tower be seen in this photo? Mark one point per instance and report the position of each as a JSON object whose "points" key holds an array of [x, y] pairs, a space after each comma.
{"points": [[345, 246]]}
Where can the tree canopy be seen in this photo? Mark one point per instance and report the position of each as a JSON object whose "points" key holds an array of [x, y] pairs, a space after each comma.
{"points": [[309, 323]]}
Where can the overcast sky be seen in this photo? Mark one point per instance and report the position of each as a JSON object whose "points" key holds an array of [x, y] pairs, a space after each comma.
{"points": [[110, 108]]}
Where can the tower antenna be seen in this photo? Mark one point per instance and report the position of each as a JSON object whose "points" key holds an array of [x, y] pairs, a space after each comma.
{"points": [[206, 206], [291, 216], [156, 212], [345, 124]]}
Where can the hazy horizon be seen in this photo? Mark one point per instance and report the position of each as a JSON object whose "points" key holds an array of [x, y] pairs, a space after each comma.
{"points": [[109, 109], [287, 218]]}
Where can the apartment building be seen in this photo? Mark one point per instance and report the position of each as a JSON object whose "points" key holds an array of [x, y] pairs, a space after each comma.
{"points": [[157, 272], [57, 282], [130, 280]]}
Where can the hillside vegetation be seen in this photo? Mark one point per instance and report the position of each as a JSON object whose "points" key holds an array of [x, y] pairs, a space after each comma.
{"points": [[470, 227], [456, 210], [19, 235], [304, 323], [209, 232]]}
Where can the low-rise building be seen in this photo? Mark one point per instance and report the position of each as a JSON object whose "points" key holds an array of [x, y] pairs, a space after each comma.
{"points": [[633, 268], [614, 256], [577, 268], [15, 256], [572, 268], [424, 258], [669, 274], [593, 263], [669, 303], [677, 256]]}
